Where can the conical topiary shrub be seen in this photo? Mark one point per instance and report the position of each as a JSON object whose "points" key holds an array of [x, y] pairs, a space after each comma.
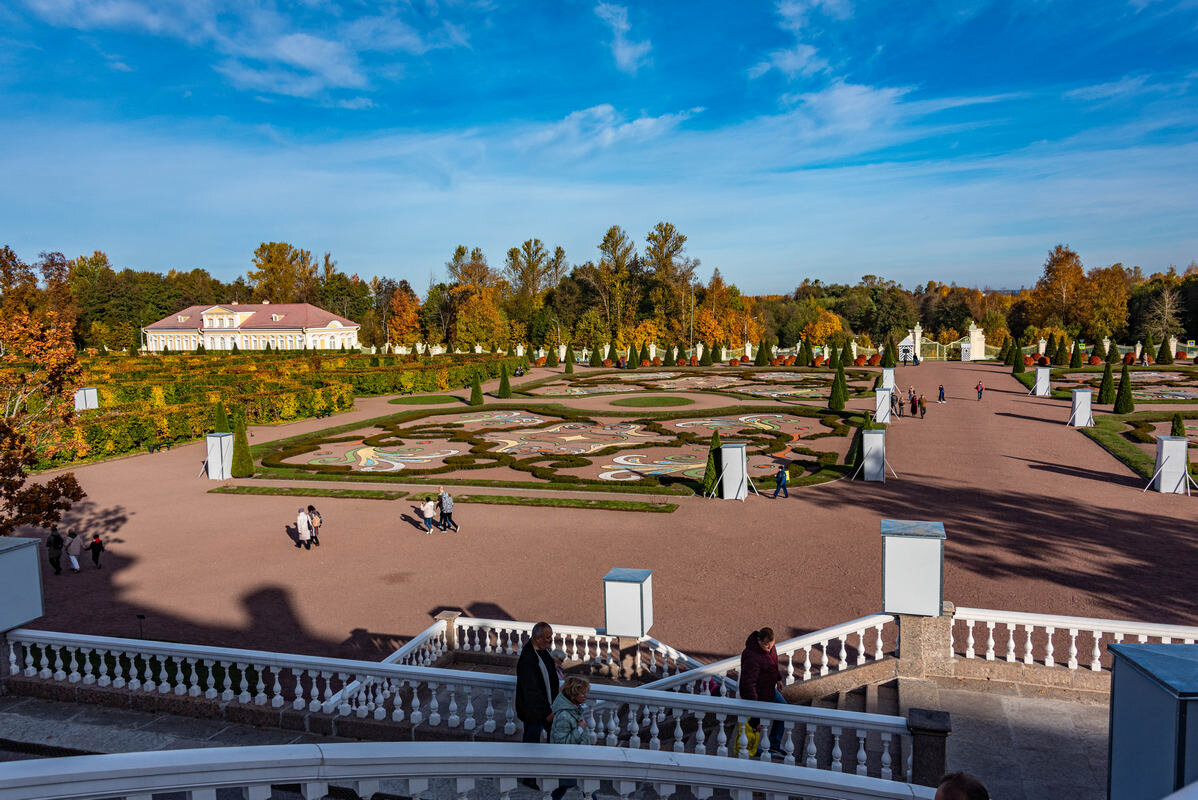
{"points": [[705, 359], [1075, 358], [505, 387], [890, 353], [1124, 404], [1178, 428], [1017, 363], [551, 359], [1165, 354], [712, 473], [1061, 358], [570, 358], [804, 356], [596, 356], [476, 392], [846, 353], [243, 463], [839, 393], [833, 358], [220, 419], [644, 356], [1112, 354], [1106, 391], [763, 355]]}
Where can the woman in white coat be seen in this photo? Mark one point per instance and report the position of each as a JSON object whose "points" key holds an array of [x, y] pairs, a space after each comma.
{"points": [[303, 530]]}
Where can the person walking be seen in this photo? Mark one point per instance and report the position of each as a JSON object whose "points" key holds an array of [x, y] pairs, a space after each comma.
{"points": [[899, 404], [446, 501], [96, 547], [781, 479], [980, 389], [303, 530], [761, 680], [315, 520], [74, 549], [569, 725], [914, 402], [536, 683], [940, 399], [54, 544], [923, 406], [427, 509]]}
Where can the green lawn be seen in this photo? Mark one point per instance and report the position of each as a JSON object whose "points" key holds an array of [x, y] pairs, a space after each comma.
{"points": [[289, 491], [556, 502], [425, 399], [660, 401]]}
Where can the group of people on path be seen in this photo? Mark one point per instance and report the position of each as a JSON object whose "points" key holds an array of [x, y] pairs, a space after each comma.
{"points": [[74, 546], [307, 527], [917, 404], [429, 508]]}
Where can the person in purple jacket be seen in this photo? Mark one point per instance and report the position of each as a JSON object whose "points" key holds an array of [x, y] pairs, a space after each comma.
{"points": [[761, 680]]}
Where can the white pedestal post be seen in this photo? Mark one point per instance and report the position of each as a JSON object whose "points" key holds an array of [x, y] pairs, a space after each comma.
{"points": [[882, 405], [1172, 469], [86, 399], [628, 602], [733, 469], [888, 378], [873, 455], [1043, 382], [1081, 415], [912, 567], [20, 582], [220, 456]]}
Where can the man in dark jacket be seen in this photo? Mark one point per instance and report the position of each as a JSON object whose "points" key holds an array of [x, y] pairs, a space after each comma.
{"points": [[760, 678], [536, 683], [54, 545]]}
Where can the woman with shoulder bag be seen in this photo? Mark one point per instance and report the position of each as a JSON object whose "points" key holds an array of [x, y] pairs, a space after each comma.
{"points": [[315, 520]]}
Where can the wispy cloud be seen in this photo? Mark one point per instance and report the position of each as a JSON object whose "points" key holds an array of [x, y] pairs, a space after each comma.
{"points": [[802, 58], [629, 55], [599, 127]]}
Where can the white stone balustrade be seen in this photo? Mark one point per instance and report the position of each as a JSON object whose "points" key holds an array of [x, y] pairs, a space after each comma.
{"points": [[448, 700], [802, 658], [450, 769], [506, 637], [1050, 640]]}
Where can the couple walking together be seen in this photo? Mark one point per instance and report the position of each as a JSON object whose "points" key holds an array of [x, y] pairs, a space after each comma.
{"points": [[429, 508], [307, 528]]}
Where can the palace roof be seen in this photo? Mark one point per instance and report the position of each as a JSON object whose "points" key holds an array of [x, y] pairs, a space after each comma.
{"points": [[290, 316]]}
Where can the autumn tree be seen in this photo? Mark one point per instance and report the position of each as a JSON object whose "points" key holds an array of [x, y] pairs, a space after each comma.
{"points": [[1061, 293], [403, 316], [1108, 291], [480, 319], [283, 274], [820, 330], [1164, 313], [670, 276], [526, 270], [612, 279]]}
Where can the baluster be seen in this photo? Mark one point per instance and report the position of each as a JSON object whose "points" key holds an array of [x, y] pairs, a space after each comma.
{"points": [[1073, 648], [12, 658], [30, 664], [633, 727], [348, 697], [181, 676], [809, 749], [210, 678], [148, 684], [454, 718], [59, 674], [722, 737], [323, 700], [640, 663], [1027, 646], [1048, 650], [574, 646], [1010, 641], [134, 674], [468, 721], [164, 681], [313, 693], [862, 767], [700, 736], [654, 742], [244, 695], [489, 715], [102, 665], [679, 744], [765, 744], [1096, 656], [790, 668], [434, 705], [382, 689], [823, 667], [73, 676], [843, 657], [969, 653], [226, 681], [860, 647], [276, 690], [837, 766], [887, 772], [298, 701], [613, 728], [86, 658], [742, 739], [415, 714], [807, 663], [989, 641], [260, 696], [878, 643], [193, 678], [118, 672], [509, 726]]}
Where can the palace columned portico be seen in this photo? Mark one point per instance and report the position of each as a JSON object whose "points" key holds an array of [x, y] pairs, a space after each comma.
{"points": [[286, 326]]}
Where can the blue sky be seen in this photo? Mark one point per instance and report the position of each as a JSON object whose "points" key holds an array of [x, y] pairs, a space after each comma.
{"points": [[955, 141]]}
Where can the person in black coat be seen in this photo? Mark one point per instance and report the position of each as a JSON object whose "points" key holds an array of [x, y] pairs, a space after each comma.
{"points": [[536, 683]]}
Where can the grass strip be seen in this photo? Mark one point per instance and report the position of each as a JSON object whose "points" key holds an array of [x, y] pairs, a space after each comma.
{"points": [[556, 502], [1109, 431], [298, 491], [386, 477], [424, 399], [660, 401]]}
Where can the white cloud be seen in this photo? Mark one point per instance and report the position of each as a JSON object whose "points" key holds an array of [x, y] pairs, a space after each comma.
{"points": [[599, 127], [1104, 91], [629, 55], [356, 103], [802, 58]]}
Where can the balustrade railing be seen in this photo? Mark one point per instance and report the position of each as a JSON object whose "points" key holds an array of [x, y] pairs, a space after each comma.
{"points": [[1050, 640], [414, 769], [472, 702], [801, 658]]}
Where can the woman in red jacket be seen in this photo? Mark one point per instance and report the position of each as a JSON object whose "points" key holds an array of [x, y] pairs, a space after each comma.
{"points": [[760, 678]]}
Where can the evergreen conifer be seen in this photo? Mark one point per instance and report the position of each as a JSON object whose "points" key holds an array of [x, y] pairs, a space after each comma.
{"points": [[476, 391], [1075, 360], [839, 394], [1017, 362], [235, 349], [505, 386], [220, 419], [596, 356], [1106, 391], [1123, 399], [763, 357], [846, 353], [890, 353], [1164, 355], [1178, 428], [644, 356], [243, 463], [712, 473], [551, 359], [705, 359], [1050, 349]]}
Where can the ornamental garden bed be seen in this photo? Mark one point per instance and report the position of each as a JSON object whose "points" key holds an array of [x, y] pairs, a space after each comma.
{"points": [[1132, 437]]}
